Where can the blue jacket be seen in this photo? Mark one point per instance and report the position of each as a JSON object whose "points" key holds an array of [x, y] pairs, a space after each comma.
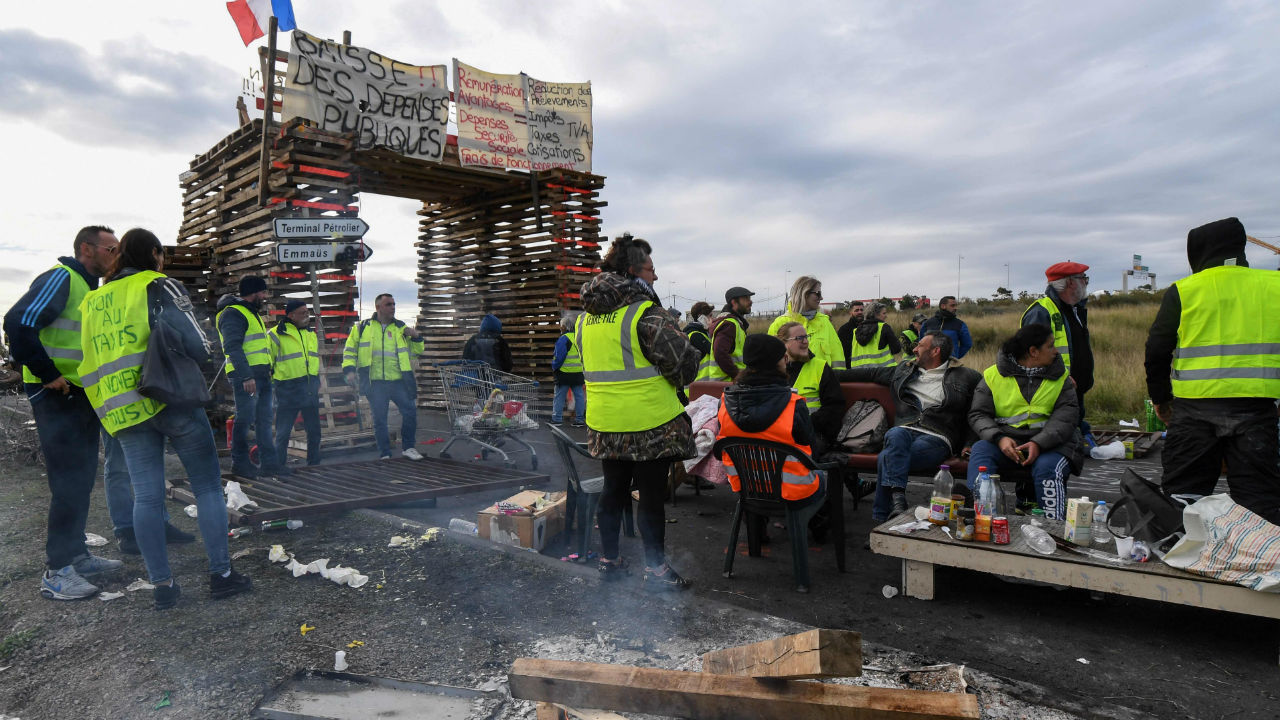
{"points": [[951, 326], [43, 302]]}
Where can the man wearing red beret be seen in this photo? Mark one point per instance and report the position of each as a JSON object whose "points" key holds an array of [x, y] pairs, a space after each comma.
{"points": [[1063, 309]]}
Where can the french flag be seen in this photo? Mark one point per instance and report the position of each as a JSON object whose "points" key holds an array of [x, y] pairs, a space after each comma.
{"points": [[252, 17]]}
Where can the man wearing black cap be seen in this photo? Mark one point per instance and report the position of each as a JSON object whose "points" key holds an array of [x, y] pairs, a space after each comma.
{"points": [[244, 342], [1213, 372], [295, 359], [728, 334]]}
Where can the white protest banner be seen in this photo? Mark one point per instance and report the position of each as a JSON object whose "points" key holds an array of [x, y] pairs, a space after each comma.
{"points": [[558, 116], [517, 122], [385, 103]]}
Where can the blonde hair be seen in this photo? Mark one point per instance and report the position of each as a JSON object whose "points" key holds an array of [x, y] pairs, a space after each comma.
{"points": [[799, 289], [785, 329]]}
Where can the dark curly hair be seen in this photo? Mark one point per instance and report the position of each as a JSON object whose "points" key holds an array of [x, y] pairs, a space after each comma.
{"points": [[1027, 337], [626, 255]]}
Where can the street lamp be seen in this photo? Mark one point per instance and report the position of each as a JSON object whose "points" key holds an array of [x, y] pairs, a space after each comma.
{"points": [[958, 259], [878, 295], [1007, 282]]}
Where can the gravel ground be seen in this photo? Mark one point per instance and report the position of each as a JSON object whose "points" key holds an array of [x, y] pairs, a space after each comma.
{"points": [[455, 612]]}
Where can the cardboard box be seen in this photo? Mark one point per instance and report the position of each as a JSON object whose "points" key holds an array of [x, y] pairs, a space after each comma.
{"points": [[529, 529]]}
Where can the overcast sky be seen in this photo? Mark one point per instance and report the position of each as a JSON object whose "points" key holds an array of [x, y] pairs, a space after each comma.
{"points": [[750, 142]]}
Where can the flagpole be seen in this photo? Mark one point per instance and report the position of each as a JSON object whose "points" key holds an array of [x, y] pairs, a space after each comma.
{"points": [[268, 107]]}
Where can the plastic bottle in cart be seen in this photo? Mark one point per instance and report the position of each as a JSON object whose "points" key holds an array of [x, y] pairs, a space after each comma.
{"points": [[1101, 534], [983, 502], [940, 511]]}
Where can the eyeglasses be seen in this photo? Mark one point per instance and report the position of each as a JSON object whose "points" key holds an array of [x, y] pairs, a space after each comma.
{"points": [[815, 292], [801, 338], [109, 249], [1081, 277]]}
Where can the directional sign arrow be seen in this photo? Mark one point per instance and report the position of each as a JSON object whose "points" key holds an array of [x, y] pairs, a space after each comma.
{"points": [[319, 227]]}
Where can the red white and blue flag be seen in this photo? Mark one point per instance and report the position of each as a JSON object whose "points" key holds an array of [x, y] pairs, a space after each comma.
{"points": [[252, 16]]}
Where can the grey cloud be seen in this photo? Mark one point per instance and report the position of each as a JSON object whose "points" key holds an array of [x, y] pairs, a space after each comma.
{"points": [[133, 94]]}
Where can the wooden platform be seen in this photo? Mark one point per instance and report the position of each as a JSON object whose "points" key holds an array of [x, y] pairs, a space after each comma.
{"points": [[333, 487], [922, 550]]}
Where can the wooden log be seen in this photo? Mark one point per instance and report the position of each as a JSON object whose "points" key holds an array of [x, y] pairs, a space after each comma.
{"points": [[723, 697], [811, 654]]}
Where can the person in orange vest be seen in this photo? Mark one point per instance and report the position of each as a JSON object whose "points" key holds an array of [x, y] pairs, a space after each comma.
{"points": [[761, 404]]}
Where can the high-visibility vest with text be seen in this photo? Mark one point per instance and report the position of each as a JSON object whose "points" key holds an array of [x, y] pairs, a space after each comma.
{"points": [[625, 392], [1228, 338], [115, 328]]}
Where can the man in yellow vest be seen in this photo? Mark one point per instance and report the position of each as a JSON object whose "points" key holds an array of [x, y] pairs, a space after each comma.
{"points": [[1213, 372], [566, 364], [379, 353], [295, 359], [728, 333], [44, 336], [244, 342], [1063, 309]]}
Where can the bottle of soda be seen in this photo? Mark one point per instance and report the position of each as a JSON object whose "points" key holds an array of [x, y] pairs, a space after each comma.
{"points": [[940, 511], [983, 505]]}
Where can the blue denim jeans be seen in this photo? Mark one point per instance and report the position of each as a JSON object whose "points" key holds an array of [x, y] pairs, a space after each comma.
{"points": [[285, 416], [579, 402], [381, 394], [1049, 473], [192, 438], [115, 478], [253, 411], [905, 451], [68, 430]]}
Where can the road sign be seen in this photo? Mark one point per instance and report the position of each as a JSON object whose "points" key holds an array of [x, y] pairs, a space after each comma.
{"points": [[319, 227], [334, 252]]}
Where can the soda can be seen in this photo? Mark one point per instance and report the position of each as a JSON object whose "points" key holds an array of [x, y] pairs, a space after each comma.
{"points": [[1000, 530]]}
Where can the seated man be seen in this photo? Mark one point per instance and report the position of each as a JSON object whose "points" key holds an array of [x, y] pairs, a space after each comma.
{"points": [[931, 397], [1024, 419]]}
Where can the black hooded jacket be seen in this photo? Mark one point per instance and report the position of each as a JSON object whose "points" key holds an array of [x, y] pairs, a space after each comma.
{"points": [[1207, 247], [757, 400]]}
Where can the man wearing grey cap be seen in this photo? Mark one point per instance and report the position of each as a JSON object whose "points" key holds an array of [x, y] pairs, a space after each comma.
{"points": [[728, 334], [295, 358]]}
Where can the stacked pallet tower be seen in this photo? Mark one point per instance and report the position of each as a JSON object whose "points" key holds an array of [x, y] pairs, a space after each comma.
{"points": [[490, 241]]}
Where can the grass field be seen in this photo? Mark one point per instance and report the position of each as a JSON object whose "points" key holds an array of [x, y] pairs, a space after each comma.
{"points": [[1117, 329]]}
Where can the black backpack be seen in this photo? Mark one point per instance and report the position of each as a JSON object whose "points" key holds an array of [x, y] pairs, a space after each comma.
{"points": [[1144, 512], [864, 427]]}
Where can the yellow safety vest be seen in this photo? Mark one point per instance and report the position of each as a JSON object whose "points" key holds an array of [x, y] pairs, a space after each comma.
{"points": [[1228, 340], [910, 335], [1058, 324], [572, 359], [870, 354], [61, 338], [708, 369], [807, 382], [383, 349], [625, 392], [1012, 409], [255, 339], [115, 329], [294, 354], [824, 342]]}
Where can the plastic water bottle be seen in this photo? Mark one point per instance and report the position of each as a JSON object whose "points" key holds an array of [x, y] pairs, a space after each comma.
{"points": [[269, 525], [238, 532], [1037, 539], [983, 505], [1101, 534], [940, 505], [466, 527]]}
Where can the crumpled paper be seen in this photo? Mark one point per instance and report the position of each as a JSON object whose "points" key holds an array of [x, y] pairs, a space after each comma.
{"points": [[110, 596], [910, 527], [140, 584], [236, 499], [337, 574], [277, 554], [93, 540]]}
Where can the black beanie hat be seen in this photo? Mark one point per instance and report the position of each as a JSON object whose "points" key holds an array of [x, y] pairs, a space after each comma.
{"points": [[762, 351], [250, 284], [293, 305]]}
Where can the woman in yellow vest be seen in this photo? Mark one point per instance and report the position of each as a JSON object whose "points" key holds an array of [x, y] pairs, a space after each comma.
{"points": [[804, 306], [1024, 420], [874, 342], [567, 366], [116, 322], [814, 380], [761, 404], [295, 377], [634, 359]]}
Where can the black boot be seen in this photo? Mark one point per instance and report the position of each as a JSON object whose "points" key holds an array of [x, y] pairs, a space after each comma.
{"points": [[128, 542], [174, 536], [899, 501]]}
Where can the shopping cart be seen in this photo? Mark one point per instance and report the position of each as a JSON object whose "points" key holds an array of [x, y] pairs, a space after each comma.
{"points": [[488, 407]]}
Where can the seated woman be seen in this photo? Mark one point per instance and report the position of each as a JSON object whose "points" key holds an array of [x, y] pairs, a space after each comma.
{"points": [[1024, 419], [814, 380], [761, 404]]}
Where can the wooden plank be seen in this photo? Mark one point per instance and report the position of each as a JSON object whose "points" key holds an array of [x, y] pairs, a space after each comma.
{"points": [[811, 654], [1151, 581], [582, 714], [723, 697]]}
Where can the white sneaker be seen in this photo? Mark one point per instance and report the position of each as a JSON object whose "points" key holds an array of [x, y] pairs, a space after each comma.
{"points": [[412, 454]]}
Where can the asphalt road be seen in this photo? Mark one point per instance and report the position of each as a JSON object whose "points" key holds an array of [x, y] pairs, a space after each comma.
{"points": [[1087, 652]]}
